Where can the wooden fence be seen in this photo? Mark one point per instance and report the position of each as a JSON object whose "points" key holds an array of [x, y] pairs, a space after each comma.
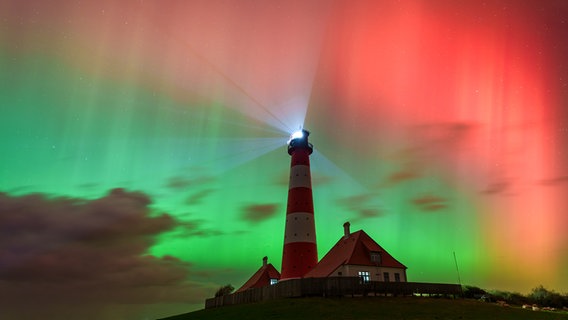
{"points": [[333, 287]]}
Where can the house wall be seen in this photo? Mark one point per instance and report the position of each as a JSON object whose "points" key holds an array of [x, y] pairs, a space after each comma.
{"points": [[376, 273]]}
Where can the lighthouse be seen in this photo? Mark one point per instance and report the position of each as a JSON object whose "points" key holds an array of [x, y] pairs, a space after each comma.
{"points": [[300, 250]]}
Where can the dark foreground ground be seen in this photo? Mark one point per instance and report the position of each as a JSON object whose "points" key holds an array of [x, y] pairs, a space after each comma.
{"points": [[391, 308]]}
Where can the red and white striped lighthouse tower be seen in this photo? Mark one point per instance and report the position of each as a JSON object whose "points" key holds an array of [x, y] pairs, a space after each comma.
{"points": [[300, 251]]}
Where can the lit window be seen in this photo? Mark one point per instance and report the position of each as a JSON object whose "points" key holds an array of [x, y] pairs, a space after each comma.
{"points": [[273, 281], [365, 276], [397, 277], [386, 277]]}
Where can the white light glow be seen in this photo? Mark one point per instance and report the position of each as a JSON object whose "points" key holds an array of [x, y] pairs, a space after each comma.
{"points": [[297, 134]]}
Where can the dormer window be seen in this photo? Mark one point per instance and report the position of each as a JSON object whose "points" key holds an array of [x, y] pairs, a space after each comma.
{"points": [[273, 281], [376, 257]]}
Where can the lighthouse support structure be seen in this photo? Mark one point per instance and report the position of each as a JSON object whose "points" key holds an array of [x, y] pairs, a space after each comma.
{"points": [[300, 250]]}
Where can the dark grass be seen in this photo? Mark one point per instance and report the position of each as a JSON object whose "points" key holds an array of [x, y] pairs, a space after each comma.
{"points": [[391, 308]]}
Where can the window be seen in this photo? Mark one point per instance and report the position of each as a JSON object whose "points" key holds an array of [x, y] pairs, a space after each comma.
{"points": [[273, 281], [397, 277], [376, 257], [365, 276], [386, 276]]}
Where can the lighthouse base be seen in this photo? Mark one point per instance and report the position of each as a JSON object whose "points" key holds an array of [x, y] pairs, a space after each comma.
{"points": [[297, 259]]}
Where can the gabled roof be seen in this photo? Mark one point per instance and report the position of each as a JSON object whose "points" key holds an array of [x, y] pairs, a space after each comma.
{"points": [[261, 278], [354, 250]]}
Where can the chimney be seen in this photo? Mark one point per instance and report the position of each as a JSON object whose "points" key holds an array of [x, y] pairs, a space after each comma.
{"points": [[264, 261], [346, 226]]}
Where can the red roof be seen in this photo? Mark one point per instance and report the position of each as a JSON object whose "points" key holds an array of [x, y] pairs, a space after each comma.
{"points": [[353, 250], [261, 278]]}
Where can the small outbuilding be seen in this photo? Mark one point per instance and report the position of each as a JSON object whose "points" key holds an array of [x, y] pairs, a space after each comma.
{"points": [[266, 275]]}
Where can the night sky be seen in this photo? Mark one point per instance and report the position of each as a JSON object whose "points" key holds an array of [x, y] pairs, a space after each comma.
{"points": [[143, 157]]}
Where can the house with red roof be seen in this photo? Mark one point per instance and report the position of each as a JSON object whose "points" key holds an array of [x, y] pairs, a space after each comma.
{"points": [[266, 275], [358, 255], [354, 255], [352, 262]]}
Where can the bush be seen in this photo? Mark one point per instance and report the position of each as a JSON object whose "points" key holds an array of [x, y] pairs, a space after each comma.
{"points": [[546, 298], [513, 298], [473, 292], [224, 290], [539, 296]]}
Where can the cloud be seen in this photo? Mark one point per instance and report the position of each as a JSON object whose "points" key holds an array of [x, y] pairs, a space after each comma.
{"points": [[401, 176], [431, 141], [501, 187], [198, 197], [183, 182], [554, 181], [355, 200], [259, 212], [430, 203], [366, 213], [446, 135], [369, 213], [497, 188], [63, 251], [194, 228], [361, 205], [88, 185]]}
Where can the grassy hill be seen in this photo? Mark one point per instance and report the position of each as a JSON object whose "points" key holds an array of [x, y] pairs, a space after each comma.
{"points": [[391, 308]]}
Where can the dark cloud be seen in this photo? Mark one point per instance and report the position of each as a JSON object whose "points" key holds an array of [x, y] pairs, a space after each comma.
{"points": [[554, 181], [369, 213], [430, 203], [87, 186], [178, 183], [401, 176], [409, 164], [63, 251], [361, 206], [355, 201], [183, 182], [501, 187], [430, 141], [198, 197], [447, 135], [259, 212], [194, 228], [365, 213], [497, 188]]}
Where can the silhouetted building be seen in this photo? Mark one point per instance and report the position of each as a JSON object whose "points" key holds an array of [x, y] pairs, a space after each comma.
{"points": [[265, 276]]}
